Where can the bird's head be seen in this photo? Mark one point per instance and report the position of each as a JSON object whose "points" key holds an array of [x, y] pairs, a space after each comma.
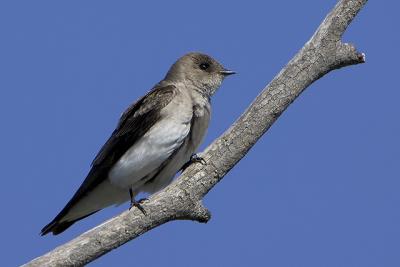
{"points": [[199, 70]]}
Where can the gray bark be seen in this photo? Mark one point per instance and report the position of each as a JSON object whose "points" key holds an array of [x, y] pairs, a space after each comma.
{"points": [[182, 200]]}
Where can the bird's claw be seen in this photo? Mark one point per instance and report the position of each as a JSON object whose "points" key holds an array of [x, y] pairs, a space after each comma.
{"points": [[195, 158], [138, 204]]}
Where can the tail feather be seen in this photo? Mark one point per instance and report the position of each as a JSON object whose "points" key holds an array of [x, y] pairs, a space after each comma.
{"points": [[57, 227], [84, 203]]}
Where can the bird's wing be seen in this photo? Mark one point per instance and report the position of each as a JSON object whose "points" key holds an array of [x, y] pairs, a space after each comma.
{"points": [[133, 124]]}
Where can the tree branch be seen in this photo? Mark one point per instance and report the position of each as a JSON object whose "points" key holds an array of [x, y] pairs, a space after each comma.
{"points": [[182, 200]]}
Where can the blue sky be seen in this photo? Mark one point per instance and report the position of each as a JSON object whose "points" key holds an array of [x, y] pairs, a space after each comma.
{"points": [[321, 188]]}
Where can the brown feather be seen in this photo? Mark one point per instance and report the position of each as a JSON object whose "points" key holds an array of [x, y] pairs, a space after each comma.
{"points": [[134, 123]]}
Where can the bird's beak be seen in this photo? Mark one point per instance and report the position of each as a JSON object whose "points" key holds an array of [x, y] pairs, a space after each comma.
{"points": [[227, 72]]}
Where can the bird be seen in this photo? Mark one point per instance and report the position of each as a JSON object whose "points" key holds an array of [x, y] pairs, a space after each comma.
{"points": [[155, 138]]}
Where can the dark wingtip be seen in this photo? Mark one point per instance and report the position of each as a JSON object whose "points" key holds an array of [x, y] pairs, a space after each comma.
{"points": [[55, 227], [47, 228]]}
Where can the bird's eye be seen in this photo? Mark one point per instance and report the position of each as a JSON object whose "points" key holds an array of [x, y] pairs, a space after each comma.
{"points": [[204, 66]]}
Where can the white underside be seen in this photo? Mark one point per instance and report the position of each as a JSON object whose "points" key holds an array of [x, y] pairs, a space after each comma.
{"points": [[145, 157], [156, 146]]}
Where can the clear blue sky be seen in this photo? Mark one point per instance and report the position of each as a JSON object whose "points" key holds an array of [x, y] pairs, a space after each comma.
{"points": [[321, 188]]}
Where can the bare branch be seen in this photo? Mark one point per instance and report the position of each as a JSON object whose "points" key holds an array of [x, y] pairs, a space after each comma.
{"points": [[181, 200]]}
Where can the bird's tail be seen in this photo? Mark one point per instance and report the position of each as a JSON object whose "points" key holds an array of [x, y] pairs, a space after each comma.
{"points": [[57, 227]]}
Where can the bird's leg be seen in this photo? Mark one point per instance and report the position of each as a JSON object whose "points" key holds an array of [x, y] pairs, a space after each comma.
{"points": [[135, 203], [194, 158]]}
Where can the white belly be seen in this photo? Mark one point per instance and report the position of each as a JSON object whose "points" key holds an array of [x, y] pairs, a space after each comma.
{"points": [[149, 152], [190, 146], [162, 151]]}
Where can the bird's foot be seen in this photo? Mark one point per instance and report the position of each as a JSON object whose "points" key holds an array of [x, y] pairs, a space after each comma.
{"points": [[138, 204], [195, 158]]}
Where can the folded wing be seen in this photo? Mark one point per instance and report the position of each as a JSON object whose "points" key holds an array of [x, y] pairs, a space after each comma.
{"points": [[136, 122]]}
